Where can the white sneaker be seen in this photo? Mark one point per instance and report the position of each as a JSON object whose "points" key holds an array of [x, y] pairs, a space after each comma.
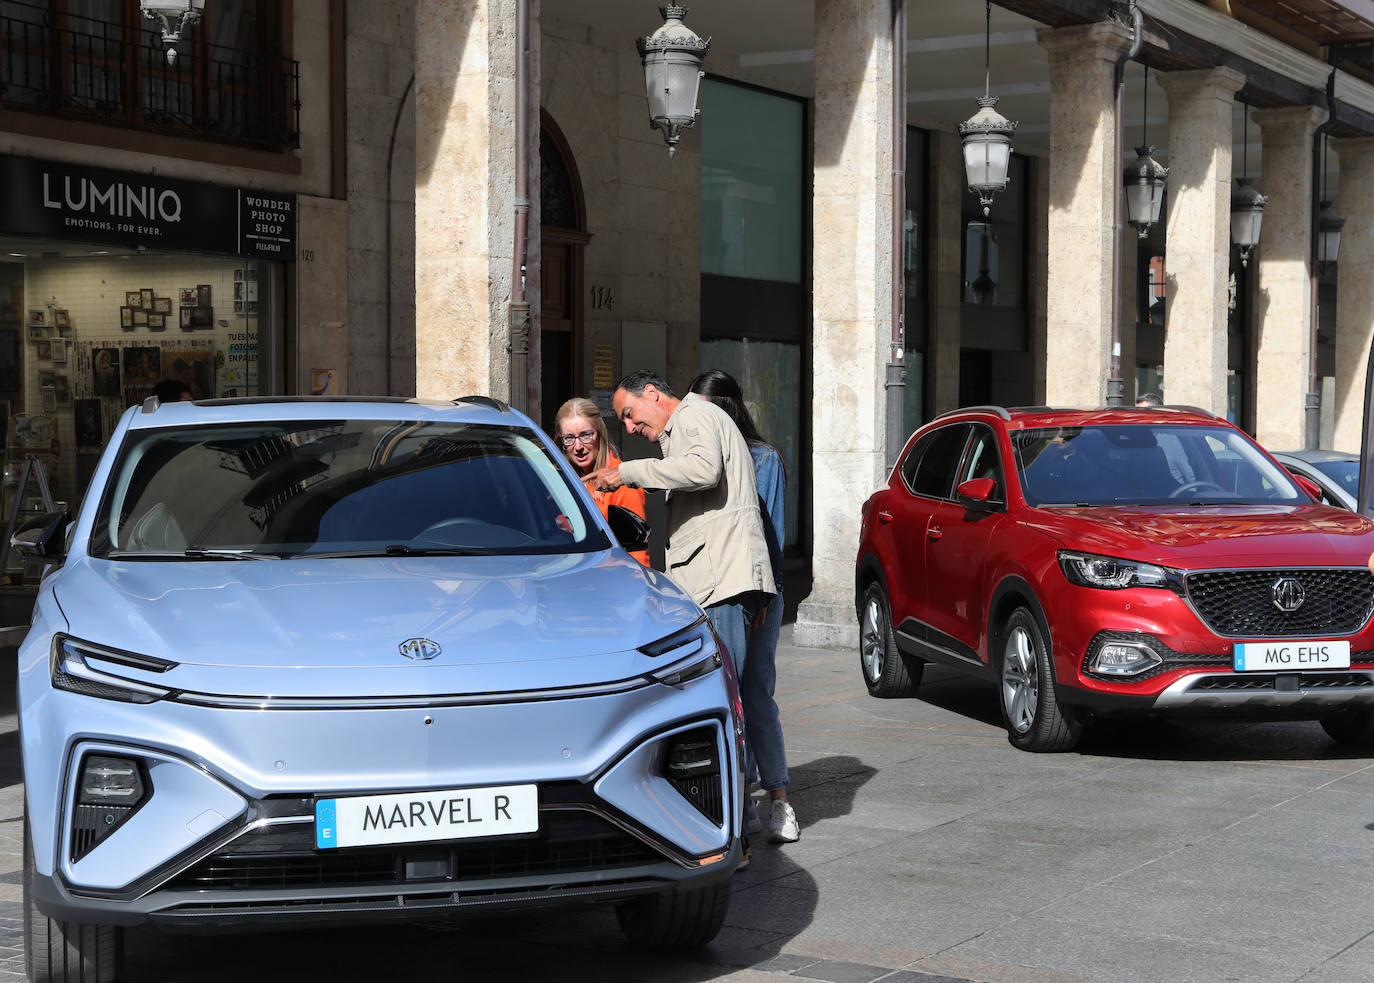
{"points": [[782, 823], [753, 822]]}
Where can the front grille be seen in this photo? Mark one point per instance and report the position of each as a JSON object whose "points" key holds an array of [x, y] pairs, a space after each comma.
{"points": [[284, 857], [1240, 602]]}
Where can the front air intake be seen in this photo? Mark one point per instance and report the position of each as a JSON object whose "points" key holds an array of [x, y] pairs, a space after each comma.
{"points": [[692, 766]]}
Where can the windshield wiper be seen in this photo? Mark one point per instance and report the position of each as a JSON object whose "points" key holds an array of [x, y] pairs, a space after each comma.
{"points": [[194, 553], [396, 549]]}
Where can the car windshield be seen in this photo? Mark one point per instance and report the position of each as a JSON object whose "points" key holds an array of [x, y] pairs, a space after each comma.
{"points": [[1148, 464], [338, 487], [1345, 474]]}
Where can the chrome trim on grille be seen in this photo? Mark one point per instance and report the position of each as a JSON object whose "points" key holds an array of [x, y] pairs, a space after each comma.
{"points": [[1208, 690], [418, 701]]}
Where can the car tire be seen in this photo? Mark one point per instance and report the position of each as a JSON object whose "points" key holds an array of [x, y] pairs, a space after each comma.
{"points": [[66, 952], [674, 920], [1034, 719], [1352, 727], [888, 673]]}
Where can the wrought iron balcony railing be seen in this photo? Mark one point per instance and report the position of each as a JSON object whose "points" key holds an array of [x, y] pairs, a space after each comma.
{"points": [[83, 68]]}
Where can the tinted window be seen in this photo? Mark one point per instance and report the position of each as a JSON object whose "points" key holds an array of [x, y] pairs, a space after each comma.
{"points": [[981, 460], [1147, 464], [1346, 474], [340, 485], [935, 471]]}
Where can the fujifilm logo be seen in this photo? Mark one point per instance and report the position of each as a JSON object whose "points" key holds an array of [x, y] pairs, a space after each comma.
{"points": [[115, 200]]}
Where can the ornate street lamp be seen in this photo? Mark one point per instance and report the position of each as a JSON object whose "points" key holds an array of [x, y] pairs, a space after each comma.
{"points": [[1247, 204], [986, 137], [672, 56], [1144, 178], [184, 13]]}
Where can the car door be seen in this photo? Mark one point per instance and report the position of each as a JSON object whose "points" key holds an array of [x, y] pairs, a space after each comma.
{"points": [[927, 481], [956, 564]]}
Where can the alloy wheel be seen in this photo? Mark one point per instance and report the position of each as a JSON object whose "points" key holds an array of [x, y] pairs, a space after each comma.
{"points": [[1020, 680], [873, 640]]}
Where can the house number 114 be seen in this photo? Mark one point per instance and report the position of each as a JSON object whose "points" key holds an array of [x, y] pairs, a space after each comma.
{"points": [[603, 299]]}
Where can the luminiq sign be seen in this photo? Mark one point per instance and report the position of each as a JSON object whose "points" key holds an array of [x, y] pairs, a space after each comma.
{"points": [[96, 204]]}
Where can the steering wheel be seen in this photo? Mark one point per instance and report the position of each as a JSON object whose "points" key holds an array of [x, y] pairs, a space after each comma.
{"points": [[1193, 486], [446, 531]]}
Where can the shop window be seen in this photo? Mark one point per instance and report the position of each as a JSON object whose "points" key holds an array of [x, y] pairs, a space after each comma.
{"points": [[996, 246], [100, 60]]}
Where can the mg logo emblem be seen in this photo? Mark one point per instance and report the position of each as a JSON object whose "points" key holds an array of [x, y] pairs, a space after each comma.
{"points": [[1287, 594], [423, 648]]}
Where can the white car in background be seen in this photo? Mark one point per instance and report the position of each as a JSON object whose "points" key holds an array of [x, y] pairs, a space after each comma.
{"points": [[1336, 473]]}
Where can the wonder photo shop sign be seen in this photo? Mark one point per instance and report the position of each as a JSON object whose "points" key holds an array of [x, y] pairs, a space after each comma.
{"points": [[95, 204]]}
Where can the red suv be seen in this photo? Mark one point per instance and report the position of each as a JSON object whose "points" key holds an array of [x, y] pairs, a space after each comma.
{"points": [[1096, 562]]}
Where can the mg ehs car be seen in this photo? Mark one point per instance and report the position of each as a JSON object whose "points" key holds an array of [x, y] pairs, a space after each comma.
{"points": [[1117, 561], [321, 661]]}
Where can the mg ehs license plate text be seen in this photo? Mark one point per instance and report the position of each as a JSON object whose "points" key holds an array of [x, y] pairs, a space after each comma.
{"points": [[1291, 656], [412, 817]]}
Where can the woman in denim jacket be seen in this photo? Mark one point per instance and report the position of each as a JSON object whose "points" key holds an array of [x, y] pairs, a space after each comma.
{"points": [[765, 754]]}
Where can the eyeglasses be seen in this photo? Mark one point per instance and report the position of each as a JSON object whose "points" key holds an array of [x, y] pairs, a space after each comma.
{"points": [[585, 437]]}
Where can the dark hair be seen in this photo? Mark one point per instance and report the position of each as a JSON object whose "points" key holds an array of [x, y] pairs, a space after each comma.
{"points": [[170, 390], [1149, 399], [722, 389], [635, 382]]}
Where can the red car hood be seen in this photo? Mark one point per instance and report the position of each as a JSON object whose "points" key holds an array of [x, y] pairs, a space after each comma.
{"points": [[1218, 536]]}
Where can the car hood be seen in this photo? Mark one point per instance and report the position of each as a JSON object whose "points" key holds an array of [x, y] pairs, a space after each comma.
{"points": [[324, 627], [1206, 537]]}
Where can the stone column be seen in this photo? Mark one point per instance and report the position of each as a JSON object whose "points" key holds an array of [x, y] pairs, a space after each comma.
{"points": [[465, 64], [1354, 291], [1084, 176], [946, 288], [1198, 231], [852, 207], [1284, 296]]}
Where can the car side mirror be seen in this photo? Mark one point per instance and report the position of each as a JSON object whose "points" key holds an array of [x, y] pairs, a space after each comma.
{"points": [[630, 530], [42, 537], [976, 494], [1309, 486]]}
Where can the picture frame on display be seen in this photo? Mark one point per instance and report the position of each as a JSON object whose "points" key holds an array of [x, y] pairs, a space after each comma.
{"points": [[126, 318], [61, 318], [133, 298], [186, 314], [140, 318], [157, 322], [146, 294], [162, 305]]}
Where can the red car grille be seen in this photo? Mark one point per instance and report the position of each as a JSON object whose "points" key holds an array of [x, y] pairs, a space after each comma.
{"points": [[1241, 602]]}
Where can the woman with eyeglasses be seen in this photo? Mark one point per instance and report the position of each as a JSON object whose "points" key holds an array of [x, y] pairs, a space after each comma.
{"points": [[580, 431]]}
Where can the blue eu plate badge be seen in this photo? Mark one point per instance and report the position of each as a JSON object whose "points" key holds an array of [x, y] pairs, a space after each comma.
{"points": [[326, 833]]}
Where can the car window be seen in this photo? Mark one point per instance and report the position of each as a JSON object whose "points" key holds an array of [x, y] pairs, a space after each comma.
{"points": [[939, 461], [340, 485], [981, 461], [1344, 474], [1144, 464]]}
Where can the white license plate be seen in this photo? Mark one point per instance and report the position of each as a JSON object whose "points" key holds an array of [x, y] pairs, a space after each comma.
{"points": [[1288, 656], [417, 817]]}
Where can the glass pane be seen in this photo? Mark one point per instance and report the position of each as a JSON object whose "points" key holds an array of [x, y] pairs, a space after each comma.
{"points": [[770, 375], [751, 183], [995, 247]]}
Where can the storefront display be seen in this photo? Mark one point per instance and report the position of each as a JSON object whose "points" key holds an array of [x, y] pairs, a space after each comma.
{"points": [[111, 282]]}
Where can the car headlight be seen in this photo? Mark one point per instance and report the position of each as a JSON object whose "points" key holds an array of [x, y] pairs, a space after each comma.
{"points": [[1112, 573], [71, 670], [693, 652]]}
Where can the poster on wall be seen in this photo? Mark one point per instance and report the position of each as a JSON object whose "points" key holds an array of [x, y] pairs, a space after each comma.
{"points": [[190, 363], [105, 372], [142, 371], [89, 432]]}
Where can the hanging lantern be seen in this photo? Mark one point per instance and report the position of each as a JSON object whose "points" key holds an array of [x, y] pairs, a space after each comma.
{"points": [[176, 17], [1247, 212], [1144, 178], [1329, 226], [672, 57], [986, 136]]}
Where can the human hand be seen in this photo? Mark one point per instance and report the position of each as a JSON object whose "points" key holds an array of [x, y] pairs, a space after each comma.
{"points": [[604, 480]]}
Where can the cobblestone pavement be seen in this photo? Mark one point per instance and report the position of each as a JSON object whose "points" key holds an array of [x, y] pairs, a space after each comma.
{"points": [[931, 852]]}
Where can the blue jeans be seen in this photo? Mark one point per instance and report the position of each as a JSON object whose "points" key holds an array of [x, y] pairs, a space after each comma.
{"points": [[755, 656]]}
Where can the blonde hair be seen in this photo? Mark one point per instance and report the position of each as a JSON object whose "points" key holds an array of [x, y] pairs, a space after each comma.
{"points": [[585, 408]]}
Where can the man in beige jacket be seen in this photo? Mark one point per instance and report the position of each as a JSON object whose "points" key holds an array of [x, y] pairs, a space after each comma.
{"points": [[716, 549]]}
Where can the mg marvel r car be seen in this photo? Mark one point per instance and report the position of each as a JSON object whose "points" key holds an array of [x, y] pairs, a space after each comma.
{"points": [[324, 661], [1115, 562]]}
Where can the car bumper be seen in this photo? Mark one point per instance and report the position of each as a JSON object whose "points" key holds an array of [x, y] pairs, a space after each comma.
{"points": [[227, 836]]}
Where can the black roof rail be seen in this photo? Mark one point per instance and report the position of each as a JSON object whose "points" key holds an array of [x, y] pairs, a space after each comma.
{"points": [[488, 401], [999, 410]]}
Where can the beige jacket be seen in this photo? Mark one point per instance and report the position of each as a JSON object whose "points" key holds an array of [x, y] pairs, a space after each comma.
{"points": [[716, 548]]}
